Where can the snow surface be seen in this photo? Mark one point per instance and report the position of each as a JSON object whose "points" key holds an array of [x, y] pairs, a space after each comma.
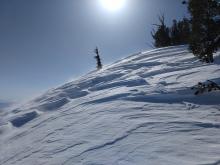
{"points": [[138, 111]]}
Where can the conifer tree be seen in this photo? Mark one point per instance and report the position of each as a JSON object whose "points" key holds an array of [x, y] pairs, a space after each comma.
{"points": [[204, 39], [178, 34], [184, 31], [98, 60], [161, 35], [175, 33]]}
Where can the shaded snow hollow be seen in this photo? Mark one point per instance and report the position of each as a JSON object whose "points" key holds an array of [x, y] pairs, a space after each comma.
{"points": [[137, 111]]}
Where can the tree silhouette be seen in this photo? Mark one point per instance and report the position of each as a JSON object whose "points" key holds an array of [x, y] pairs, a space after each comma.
{"points": [[177, 34], [180, 32], [184, 27], [205, 36], [98, 60], [161, 35]]}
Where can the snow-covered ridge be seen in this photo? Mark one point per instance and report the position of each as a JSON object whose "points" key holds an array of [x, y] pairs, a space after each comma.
{"points": [[139, 110]]}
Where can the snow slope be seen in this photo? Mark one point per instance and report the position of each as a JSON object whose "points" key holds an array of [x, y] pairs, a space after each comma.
{"points": [[137, 111]]}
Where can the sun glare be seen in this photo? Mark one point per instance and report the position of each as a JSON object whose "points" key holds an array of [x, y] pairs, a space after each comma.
{"points": [[113, 5]]}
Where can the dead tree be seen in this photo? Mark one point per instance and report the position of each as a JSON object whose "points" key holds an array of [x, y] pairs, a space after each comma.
{"points": [[98, 60]]}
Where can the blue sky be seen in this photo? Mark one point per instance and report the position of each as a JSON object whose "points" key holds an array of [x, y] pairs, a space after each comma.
{"points": [[44, 43]]}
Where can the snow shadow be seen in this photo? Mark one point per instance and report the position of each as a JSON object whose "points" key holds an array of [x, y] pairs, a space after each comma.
{"points": [[100, 79], [127, 83], [181, 96], [74, 93], [109, 98], [25, 118], [53, 105], [215, 163]]}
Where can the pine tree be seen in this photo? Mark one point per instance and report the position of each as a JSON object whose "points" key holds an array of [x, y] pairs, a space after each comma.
{"points": [[175, 33], [184, 31], [204, 39], [98, 60], [161, 35]]}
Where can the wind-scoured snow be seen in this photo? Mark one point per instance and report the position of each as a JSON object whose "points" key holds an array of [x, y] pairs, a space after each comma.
{"points": [[138, 111]]}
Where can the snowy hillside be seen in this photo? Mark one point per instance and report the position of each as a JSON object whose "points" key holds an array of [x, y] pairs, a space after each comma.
{"points": [[138, 111]]}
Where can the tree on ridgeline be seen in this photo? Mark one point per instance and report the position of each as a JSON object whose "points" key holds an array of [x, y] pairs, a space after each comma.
{"points": [[184, 27], [180, 32], [98, 59], [201, 31], [161, 34], [205, 36], [177, 34]]}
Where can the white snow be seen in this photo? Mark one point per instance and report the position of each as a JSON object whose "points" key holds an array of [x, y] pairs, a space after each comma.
{"points": [[138, 111]]}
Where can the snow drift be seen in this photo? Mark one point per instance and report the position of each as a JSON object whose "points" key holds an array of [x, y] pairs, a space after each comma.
{"points": [[139, 110]]}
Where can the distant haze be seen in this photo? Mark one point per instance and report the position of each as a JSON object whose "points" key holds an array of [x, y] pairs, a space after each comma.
{"points": [[4, 104]]}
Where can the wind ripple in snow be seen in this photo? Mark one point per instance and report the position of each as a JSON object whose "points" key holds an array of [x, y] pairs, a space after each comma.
{"points": [[138, 110]]}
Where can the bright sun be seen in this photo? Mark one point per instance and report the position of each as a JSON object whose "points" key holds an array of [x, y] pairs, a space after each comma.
{"points": [[113, 5]]}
